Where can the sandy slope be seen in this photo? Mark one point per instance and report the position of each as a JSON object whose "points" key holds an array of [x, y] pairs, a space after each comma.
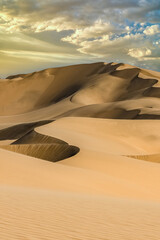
{"points": [[56, 215], [97, 194], [110, 188], [112, 88], [104, 147]]}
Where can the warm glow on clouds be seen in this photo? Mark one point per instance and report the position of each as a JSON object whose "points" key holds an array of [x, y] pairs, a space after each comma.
{"points": [[139, 52], [35, 34], [99, 29], [152, 30]]}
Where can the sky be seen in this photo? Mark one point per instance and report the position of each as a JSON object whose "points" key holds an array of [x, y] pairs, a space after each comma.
{"points": [[38, 34]]}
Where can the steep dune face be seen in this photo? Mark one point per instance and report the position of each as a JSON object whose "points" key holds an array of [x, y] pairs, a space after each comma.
{"points": [[36, 138], [32, 91], [82, 85], [42, 146], [116, 90], [51, 152]]}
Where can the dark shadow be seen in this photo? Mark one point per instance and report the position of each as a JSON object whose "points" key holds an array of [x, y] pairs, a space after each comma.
{"points": [[17, 131]]}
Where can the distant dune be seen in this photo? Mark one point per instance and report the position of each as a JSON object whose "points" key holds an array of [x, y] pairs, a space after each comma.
{"points": [[119, 90], [80, 153]]}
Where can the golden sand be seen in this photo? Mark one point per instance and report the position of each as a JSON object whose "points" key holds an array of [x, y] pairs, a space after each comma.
{"points": [[80, 153]]}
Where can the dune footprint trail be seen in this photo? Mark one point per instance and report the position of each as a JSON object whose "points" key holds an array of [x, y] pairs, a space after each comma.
{"points": [[80, 154]]}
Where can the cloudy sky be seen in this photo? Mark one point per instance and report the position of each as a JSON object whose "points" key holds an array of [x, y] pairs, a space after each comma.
{"points": [[37, 34]]}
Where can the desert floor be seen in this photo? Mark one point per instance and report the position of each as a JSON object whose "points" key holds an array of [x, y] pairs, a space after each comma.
{"points": [[80, 154]]}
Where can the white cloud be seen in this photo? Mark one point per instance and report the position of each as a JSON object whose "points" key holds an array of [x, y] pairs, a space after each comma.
{"points": [[151, 30], [106, 46], [99, 29], [128, 28], [18, 24], [139, 52], [58, 24]]}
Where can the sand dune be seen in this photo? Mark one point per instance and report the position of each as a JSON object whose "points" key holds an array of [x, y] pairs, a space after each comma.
{"points": [[42, 146], [51, 152], [115, 136], [17, 131], [33, 137], [84, 84], [32, 92], [151, 158], [80, 153]]}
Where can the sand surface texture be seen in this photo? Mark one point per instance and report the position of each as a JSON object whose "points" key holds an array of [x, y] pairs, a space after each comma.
{"points": [[80, 154]]}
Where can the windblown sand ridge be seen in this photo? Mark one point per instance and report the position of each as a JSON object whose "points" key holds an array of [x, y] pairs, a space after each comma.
{"points": [[36, 138], [41, 146], [151, 158], [50, 152]]}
